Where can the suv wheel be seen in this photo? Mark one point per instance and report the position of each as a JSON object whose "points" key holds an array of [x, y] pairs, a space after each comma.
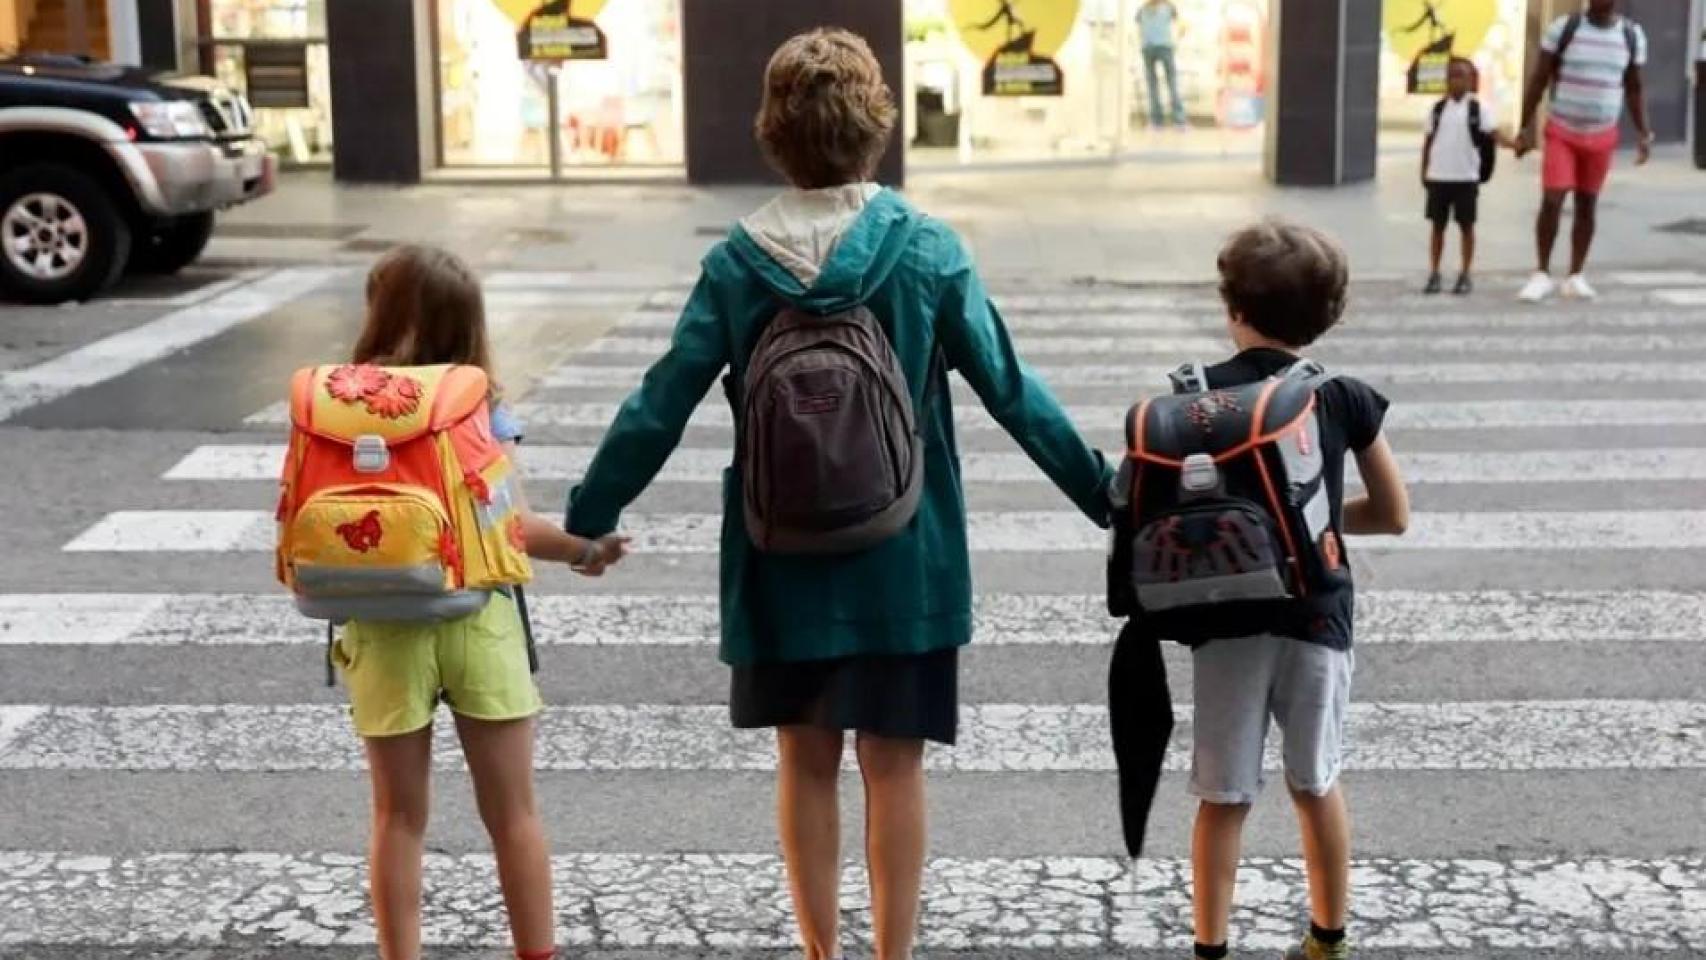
{"points": [[173, 244], [61, 237]]}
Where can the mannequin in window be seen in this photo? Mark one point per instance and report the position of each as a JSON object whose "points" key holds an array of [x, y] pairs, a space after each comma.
{"points": [[1157, 22]]}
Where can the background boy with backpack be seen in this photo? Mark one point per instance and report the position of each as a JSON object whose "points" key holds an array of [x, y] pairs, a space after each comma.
{"points": [[1229, 516], [1458, 157]]}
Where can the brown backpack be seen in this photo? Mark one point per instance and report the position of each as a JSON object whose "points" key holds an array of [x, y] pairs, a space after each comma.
{"points": [[830, 451]]}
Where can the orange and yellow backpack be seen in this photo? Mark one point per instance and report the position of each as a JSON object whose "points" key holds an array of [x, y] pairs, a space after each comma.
{"points": [[396, 501]]}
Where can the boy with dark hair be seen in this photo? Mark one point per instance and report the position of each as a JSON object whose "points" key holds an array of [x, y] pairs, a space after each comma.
{"points": [[1270, 619], [1460, 129]]}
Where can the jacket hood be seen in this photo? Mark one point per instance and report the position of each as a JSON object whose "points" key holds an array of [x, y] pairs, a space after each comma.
{"points": [[826, 251]]}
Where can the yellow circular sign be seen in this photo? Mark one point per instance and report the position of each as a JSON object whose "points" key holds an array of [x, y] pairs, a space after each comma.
{"points": [[988, 26], [519, 10], [1416, 26]]}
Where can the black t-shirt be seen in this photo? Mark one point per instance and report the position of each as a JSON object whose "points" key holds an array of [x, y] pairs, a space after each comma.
{"points": [[1351, 414]]}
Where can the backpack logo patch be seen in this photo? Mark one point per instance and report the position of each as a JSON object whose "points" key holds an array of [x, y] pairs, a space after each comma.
{"points": [[813, 406], [364, 534], [1209, 407], [388, 395]]}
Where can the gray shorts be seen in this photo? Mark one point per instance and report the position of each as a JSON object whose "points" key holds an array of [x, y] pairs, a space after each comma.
{"points": [[1238, 685]]}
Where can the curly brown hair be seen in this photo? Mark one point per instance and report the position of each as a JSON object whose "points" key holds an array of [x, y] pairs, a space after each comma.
{"points": [[1286, 280], [827, 115]]}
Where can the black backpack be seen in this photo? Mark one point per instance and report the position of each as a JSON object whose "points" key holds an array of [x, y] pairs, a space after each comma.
{"points": [[1484, 142], [830, 448], [1222, 519]]}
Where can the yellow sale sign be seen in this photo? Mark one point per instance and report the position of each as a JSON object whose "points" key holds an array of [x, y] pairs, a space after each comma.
{"points": [[519, 10], [1017, 40], [1451, 27]]}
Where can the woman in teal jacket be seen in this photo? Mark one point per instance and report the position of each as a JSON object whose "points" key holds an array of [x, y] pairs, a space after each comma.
{"points": [[865, 642]]}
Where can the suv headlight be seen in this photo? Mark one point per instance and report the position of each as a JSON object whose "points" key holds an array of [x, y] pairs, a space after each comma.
{"points": [[171, 120]]}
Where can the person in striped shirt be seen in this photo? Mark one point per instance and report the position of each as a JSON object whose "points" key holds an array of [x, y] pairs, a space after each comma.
{"points": [[1591, 62]]}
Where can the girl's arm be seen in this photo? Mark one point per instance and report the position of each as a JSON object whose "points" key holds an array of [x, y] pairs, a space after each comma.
{"points": [[551, 543], [1384, 508], [977, 345]]}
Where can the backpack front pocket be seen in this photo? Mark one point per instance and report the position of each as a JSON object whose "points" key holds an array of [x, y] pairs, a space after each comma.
{"points": [[373, 539]]}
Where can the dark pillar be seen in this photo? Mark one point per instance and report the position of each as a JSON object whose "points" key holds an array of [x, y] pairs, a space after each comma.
{"points": [[726, 44], [157, 23], [1324, 56], [1670, 51], [376, 94]]}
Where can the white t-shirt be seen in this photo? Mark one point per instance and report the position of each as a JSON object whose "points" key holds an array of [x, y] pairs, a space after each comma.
{"points": [[1454, 158]]}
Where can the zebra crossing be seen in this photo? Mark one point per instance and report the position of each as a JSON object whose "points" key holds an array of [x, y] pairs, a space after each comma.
{"points": [[1519, 656]]}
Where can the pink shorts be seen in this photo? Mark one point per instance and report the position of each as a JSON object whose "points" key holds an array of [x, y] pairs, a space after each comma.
{"points": [[1577, 162]]}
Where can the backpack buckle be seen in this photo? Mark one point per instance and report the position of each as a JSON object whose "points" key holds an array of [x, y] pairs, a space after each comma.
{"points": [[1199, 476], [370, 454]]}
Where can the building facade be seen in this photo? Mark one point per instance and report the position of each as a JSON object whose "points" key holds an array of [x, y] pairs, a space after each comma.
{"points": [[1310, 90]]}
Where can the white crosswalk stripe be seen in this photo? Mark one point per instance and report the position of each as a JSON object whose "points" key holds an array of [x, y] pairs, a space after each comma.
{"points": [[1023, 619], [1415, 416], [704, 466], [1574, 344], [179, 531], [724, 902], [1515, 573]]}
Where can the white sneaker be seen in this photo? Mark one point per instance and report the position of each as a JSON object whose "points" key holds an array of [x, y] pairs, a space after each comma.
{"points": [[1539, 287], [1577, 288]]}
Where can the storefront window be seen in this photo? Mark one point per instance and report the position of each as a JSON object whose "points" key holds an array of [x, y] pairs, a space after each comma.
{"points": [[1491, 33], [1106, 52], [622, 111], [275, 52]]}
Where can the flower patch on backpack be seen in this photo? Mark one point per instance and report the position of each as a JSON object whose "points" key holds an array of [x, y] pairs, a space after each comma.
{"points": [[385, 394]]}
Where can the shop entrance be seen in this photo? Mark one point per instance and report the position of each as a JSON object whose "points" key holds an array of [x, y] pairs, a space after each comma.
{"points": [[1137, 78], [559, 116], [1418, 36]]}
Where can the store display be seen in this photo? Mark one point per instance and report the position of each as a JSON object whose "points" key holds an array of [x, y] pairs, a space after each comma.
{"points": [[1427, 34], [1016, 40], [623, 110]]}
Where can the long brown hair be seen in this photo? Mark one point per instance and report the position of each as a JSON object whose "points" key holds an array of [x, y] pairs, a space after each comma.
{"points": [[424, 307]]}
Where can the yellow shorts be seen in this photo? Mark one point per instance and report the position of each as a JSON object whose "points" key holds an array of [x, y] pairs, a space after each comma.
{"points": [[397, 672]]}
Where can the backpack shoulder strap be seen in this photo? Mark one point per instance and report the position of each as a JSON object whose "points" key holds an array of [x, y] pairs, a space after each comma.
{"points": [[1308, 371], [1189, 378], [1569, 35]]}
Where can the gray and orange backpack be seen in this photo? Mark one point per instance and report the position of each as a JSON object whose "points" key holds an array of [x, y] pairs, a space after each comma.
{"points": [[1222, 518]]}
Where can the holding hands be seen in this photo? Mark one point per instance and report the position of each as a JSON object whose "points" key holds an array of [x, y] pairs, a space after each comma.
{"points": [[600, 555]]}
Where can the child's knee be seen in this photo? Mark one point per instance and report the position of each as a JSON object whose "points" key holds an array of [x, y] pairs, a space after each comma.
{"points": [[888, 761], [399, 817]]}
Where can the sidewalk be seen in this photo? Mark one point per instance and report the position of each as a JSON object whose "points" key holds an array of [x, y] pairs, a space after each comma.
{"points": [[1139, 222]]}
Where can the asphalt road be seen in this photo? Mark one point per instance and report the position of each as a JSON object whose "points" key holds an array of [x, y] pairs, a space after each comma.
{"points": [[1527, 757]]}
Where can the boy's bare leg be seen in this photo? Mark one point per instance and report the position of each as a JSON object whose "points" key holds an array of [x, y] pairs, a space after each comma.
{"points": [[1326, 826], [1216, 844], [1436, 248], [1468, 250], [401, 770], [1546, 226], [500, 759], [1582, 231], [808, 814], [894, 838]]}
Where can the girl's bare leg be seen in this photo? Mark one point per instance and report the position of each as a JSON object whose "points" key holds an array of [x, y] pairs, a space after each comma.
{"points": [[894, 838], [500, 758], [808, 815], [400, 768]]}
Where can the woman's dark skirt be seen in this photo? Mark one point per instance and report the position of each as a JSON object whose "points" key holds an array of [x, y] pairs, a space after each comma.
{"points": [[910, 697]]}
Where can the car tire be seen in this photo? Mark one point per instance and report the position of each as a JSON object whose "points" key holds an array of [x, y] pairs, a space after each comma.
{"points": [[61, 235], [172, 244]]}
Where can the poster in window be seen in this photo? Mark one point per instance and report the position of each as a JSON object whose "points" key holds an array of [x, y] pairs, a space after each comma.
{"points": [[557, 31], [1017, 41], [1427, 34]]}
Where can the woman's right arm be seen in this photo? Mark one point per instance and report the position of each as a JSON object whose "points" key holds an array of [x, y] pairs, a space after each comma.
{"points": [[977, 345], [650, 422]]}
